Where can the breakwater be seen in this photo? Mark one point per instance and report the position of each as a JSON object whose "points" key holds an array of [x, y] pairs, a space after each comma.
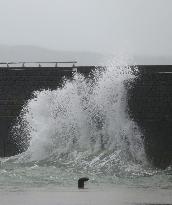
{"points": [[149, 103], [17, 85]]}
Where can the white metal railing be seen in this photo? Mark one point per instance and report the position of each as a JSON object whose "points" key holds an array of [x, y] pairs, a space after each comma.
{"points": [[37, 64]]}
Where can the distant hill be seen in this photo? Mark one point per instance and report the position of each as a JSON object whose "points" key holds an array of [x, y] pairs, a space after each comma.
{"points": [[33, 53]]}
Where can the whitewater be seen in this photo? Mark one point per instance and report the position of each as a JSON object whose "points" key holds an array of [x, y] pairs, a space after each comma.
{"points": [[82, 129]]}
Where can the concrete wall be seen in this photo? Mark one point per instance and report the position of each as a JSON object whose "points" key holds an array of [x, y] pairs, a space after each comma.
{"points": [[149, 104], [16, 87]]}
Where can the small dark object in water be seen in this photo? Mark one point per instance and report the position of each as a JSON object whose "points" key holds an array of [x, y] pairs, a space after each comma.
{"points": [[81, 182]]}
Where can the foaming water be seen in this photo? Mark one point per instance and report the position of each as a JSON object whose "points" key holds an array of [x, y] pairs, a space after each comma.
{"points": [[80, 129]]}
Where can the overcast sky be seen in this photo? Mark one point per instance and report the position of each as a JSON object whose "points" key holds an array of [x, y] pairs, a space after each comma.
{"points": [[142, 27]]}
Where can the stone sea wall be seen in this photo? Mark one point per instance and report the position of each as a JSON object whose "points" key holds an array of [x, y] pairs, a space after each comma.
{"points": [[149, 103]]}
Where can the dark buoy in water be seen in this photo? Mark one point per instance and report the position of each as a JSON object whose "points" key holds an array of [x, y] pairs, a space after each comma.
{"points": [[81, 182]]}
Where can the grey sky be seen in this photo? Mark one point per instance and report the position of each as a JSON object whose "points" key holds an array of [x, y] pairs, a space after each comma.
{"points": [[135, 26]]}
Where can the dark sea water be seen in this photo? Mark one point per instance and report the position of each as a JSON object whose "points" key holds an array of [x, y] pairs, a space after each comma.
{"points": [[81, 129]]}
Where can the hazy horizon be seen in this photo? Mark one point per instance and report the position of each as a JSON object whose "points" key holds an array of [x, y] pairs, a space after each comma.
{"points": [[38, 53], [135, 27]]}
